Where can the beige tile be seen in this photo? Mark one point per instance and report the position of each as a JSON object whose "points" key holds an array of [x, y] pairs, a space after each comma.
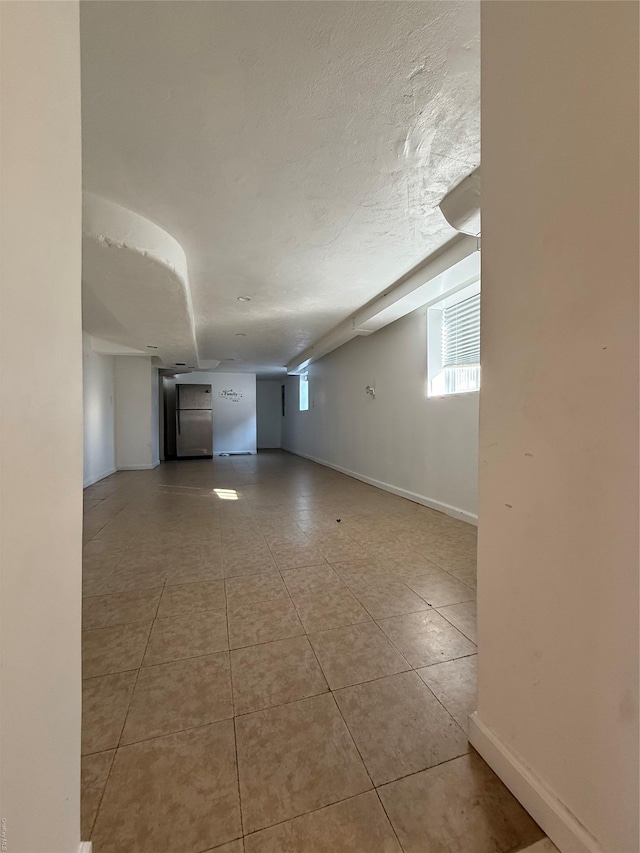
{"points": [[195, 555], [123, 580], [356, 653], [291, 556], [275, 673], [179, 695], [294, 759], [354, 570], [142, 558], [191, 804], [94, 585], [468, 576], [454, 683], [106, 650], [311, 580], [449, 550], [394, 553], [282, 533], [248, 562], [263, 622], [309, 521], [460, 805], [187, 636], [120, 609], [264, 586], [356, 825], [463, 616], [246, 539], [439, 589], [192, 597], [462, 564], [337, 547], [183, 575], [105, 701], [185, 552], [386, 596], [98, 557], [426, 638], [399, 726], [330, 609], [148, 528], [94, 772], [407, 572], [144, 554], [368, 534], [236, 846], [88, 504]]}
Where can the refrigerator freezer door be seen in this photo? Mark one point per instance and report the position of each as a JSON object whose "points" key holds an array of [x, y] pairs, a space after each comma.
{"points": [[193, 396], [194, 435]]}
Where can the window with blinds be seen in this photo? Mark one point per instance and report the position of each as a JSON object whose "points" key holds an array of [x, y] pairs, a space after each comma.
{"points": [[461, 346], [461, 333], [457, 363], [304, 393]]}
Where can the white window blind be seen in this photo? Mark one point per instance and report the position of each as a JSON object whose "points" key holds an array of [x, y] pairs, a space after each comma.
{"points": [[461, 334]]}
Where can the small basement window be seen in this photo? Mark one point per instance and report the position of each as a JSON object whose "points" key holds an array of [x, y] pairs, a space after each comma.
{"points": [[453, 329], [304, 392]]}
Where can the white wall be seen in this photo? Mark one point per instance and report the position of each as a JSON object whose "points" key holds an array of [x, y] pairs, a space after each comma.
{"points": [[136, 418], [234, 416], [269, 413], [41, 423], [425, 449], [558, 547], [98, 411], [121, 413]]}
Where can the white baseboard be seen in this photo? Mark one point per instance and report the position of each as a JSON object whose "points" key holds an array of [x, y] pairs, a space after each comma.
{"points": [[111, 471], [149, 467], [453, 511], [98, 477], [85, 847], [562, 827]]}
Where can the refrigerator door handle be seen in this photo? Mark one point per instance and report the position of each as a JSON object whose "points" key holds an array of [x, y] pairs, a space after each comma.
{"points": [[178, 420]]}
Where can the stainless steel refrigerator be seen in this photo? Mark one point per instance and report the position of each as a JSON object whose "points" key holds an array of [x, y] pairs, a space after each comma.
{"points": [[194, 421]]}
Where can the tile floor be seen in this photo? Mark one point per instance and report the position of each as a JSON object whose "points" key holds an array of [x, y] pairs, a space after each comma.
{"points": [[280, 659]]}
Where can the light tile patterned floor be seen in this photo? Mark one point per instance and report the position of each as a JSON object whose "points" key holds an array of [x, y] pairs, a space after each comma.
{"points": [[284, 665]]}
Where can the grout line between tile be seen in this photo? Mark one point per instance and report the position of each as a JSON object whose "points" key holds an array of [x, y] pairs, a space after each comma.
{"points": [[388, 817]]}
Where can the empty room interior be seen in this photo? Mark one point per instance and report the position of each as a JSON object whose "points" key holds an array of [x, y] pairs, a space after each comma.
{"points": [[319, 473]]}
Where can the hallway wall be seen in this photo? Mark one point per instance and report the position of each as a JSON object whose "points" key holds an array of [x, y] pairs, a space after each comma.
{"points": [[98, 413], [419, 447], [558, 537], [41, 420], [269, 413], [136, 413], [234, 408]]}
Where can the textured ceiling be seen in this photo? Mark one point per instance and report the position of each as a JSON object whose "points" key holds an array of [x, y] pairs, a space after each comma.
{"points": [[297, 151]]}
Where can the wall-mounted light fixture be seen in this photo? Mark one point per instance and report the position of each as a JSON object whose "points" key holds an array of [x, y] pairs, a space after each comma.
{"points": [[370, 390]]}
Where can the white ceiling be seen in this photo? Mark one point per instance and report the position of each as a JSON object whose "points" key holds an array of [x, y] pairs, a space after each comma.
{"points": [[297, 151]]}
